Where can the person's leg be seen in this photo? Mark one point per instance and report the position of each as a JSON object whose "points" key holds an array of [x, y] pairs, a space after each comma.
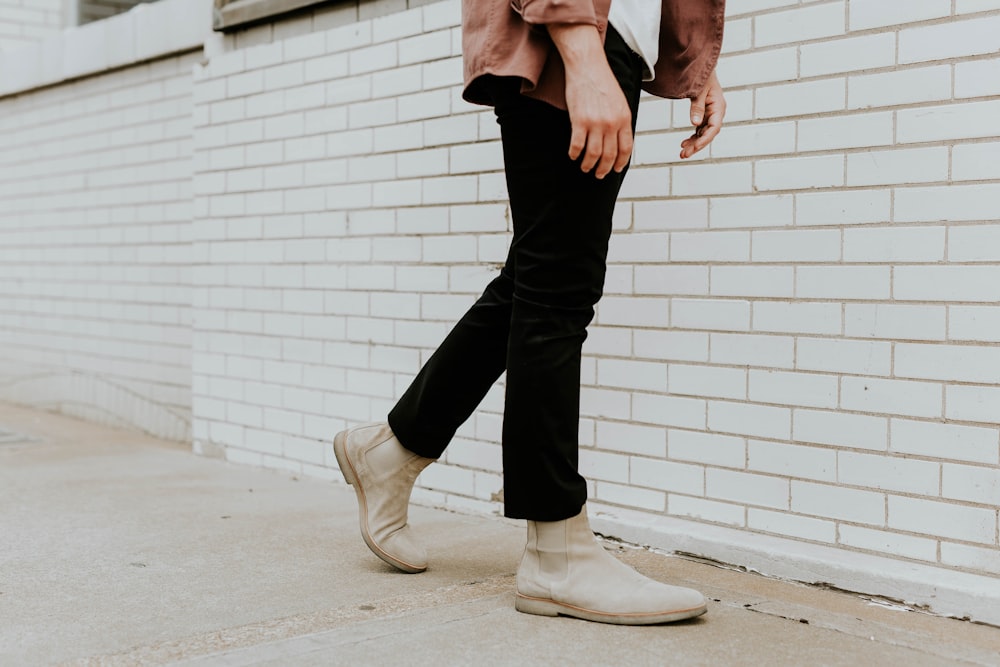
{"points": [[562, 225], [457, 376], [562, 221]]}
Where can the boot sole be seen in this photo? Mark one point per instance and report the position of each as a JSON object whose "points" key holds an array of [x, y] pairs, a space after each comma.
{"points": [[350, 476], [541, 607]]}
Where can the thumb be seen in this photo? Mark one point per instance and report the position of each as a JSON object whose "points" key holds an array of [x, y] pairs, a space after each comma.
{"points": [[697, 111]]}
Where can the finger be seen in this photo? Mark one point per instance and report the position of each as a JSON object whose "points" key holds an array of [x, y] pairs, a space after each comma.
{"points": [[625, 146], [592, 154], [609, 156], [703, 137], [577, 141]]}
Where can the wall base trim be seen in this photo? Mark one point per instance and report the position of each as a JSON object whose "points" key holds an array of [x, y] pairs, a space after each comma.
{"points": [[934, 589]]}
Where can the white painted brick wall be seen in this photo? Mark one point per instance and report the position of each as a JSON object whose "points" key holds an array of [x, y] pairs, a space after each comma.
{"points": [[95, 247], [799, 330]]}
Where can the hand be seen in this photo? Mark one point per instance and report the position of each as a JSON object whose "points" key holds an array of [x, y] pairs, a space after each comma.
{"points": [[707, 111], [599, 115]]}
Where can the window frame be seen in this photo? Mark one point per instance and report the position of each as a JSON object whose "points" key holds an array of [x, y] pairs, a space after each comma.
{"points": [[233, 14]]}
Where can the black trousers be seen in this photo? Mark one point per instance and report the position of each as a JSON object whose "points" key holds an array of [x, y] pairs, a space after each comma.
{"points": [[531, 320]]}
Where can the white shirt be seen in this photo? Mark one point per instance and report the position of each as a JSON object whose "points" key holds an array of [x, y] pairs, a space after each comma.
{"points": [[638, 22]]}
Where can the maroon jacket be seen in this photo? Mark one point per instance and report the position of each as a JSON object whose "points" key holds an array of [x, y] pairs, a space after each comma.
{"points": [[509, 40]]}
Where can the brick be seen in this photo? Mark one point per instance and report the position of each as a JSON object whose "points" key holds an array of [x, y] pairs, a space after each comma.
{"points": [[707, 381], [847, 131], [672, 345], [895, 397], [752, 211], [875, 13], [752, 350], [604, 466], [954, 39], [964, 120], [898, 166], [907, 86], [707, 179], [792, 317], [633, 497], [895, 322], [799, 172], [843, 356], [605, 403], [834, 502], [638, 247], [889, 543], [671, 214], [477, 157], [791, 525], [847, 55], [971, 403], [709, 246], [706, 510], [974, 323], [894, 244], [801, 98], [708, 448], [974, 243], [797, 246], [977, 78], [787, 388], [739, 35], [644, 375], [947, 283], [975, 484], [425, 47], [842, 208], [841, 429], [667, 476], [668, 411], [973, 162], [752, 281], [889, 473], [715, 314], [929, 517], [748, 488], [842, 282], [800, 24], [633, 311], [962, 363], [758, 67], [749, 419], [646, 182], [675, 280], [789, 460], [755, 139], [373, 58]]}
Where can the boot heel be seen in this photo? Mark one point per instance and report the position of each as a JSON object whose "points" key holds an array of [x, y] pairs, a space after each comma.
{"points": [[339, 445], [535, 606]]}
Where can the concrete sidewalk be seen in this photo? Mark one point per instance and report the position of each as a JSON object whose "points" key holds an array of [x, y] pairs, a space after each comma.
{"points": [[118, 549]]}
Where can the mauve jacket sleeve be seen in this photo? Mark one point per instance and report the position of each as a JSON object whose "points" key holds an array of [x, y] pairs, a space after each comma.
{"points": [[690, 41], [556, 11]]}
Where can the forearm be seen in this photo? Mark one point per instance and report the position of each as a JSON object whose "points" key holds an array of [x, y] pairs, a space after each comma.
{"points": [[579, 46]]}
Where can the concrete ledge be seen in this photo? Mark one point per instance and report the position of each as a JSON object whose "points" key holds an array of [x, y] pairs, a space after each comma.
{"points": [[935, 589], [145, 32]]}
